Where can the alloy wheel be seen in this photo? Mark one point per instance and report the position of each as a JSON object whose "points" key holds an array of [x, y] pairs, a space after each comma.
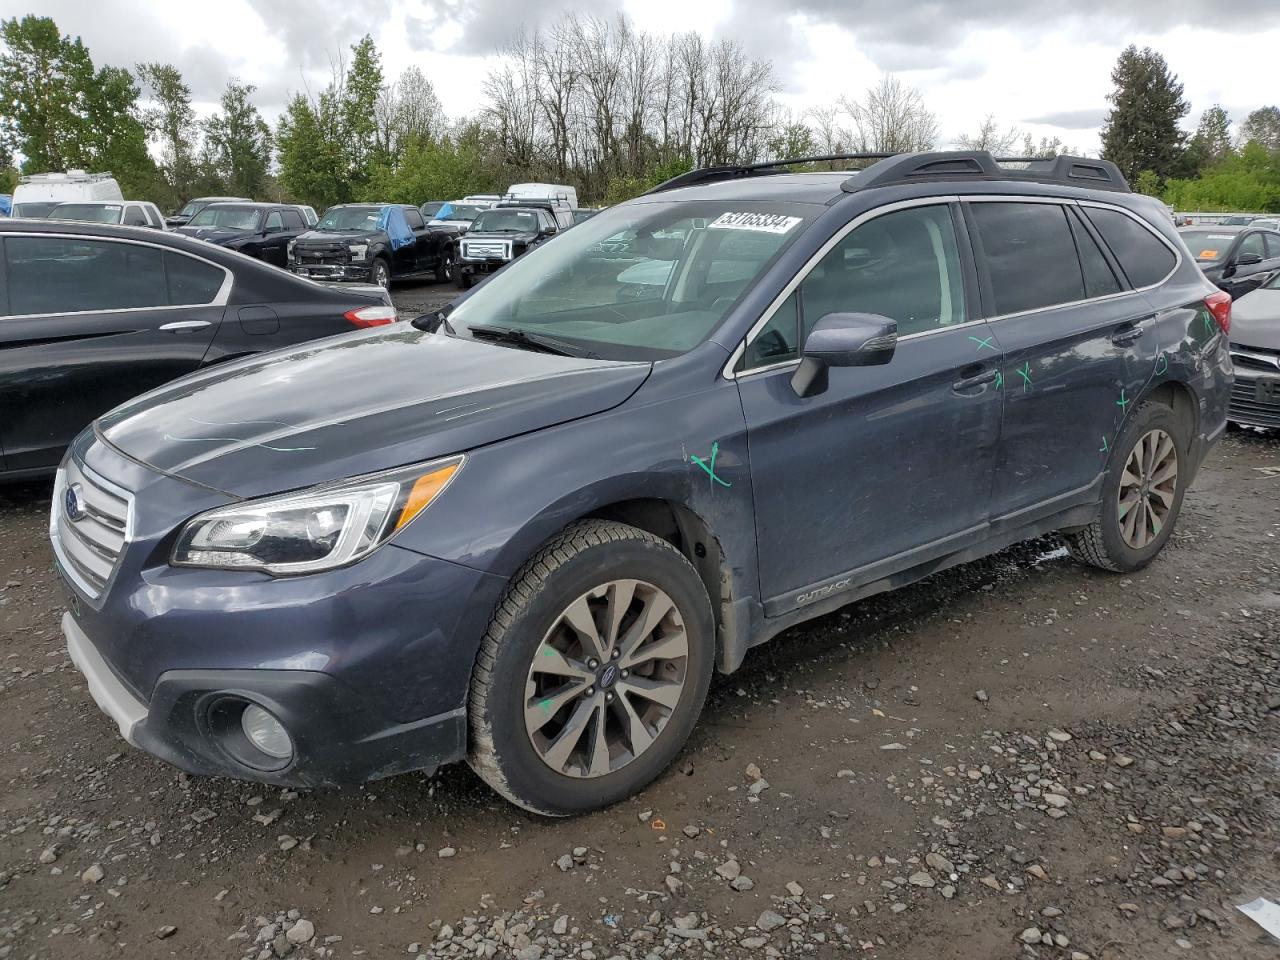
{"points": [[1148, 486], [606, 678], [381, 275]]}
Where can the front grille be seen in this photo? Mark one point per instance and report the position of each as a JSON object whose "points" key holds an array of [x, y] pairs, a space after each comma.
{"points": [[486, 249], [89, 545], [327, 253], [1248, 409], [1254, 358]]}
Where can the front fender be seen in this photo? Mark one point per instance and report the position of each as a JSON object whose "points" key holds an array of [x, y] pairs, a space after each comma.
{"points": [[687, 448]]}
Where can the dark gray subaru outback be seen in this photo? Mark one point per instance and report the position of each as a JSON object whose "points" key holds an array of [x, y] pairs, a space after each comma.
{"points": [[525, 531]]}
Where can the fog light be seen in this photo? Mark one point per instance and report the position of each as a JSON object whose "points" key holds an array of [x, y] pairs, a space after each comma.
{"points": [[266, 732]]}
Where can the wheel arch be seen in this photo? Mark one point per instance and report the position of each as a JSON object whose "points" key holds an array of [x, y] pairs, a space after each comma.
{"points": [[1178, 397]]}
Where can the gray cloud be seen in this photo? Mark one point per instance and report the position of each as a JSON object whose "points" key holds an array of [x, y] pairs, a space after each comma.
{"points": [[316, 32], [1087, 119]]}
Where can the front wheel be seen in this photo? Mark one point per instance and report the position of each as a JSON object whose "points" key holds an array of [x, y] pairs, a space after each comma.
{"points": [[1142, 493], [593, 670], [444, 267], [380, 274]]}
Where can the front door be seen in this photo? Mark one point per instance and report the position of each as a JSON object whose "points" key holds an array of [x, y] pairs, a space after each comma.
{"points": [[891, 465], [91, 323], [1078, 348], [1243, 272]]}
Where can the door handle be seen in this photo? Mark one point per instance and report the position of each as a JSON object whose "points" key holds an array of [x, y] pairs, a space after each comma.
{"points": [[1127, 335], [986, 375], [180, 325]]}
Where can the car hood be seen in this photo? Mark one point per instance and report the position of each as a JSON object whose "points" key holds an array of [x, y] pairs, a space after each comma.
{"points": [[1255, 320], [356, 404], [336, 236], [215, 234]]}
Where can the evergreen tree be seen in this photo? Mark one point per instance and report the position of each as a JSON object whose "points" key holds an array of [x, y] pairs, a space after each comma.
{"points": [[1263, 127], [173, 123], [1212, 141], [44, 77], [1141, 131], [310, 162], [115, 134], [361, 92], [240, 141]]}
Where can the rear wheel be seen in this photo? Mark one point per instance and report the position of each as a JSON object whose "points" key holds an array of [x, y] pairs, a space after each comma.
{"points": [[380, 274], [1142, 493], [465, 280], [593, 670]]}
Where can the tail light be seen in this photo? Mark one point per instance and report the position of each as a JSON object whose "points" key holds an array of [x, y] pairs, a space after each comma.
{"points": [[1219, 304], [371, 316]]}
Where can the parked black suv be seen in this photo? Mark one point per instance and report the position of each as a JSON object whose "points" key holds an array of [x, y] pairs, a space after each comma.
{"points": [[377, 242], [499, 235], [526, 530], [260, 230]]}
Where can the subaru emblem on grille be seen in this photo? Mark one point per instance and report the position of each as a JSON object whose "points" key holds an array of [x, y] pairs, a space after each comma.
{"points": [[72, 502]]}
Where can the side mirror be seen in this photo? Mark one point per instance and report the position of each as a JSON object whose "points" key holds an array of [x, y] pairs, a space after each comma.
{"points": [[843, 340], [1246, 259]]}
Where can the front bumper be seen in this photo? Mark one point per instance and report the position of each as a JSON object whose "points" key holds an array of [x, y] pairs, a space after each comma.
{"points": [[474, 267], [331, 271], [337, 737], [1255, 399]]}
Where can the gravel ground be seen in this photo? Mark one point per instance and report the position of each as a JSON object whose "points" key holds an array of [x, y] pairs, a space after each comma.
{"points": [[1019, 758], [412, 299]]}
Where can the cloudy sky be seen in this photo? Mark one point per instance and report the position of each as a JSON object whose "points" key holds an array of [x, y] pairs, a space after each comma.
{"points": [[1028, 62]]}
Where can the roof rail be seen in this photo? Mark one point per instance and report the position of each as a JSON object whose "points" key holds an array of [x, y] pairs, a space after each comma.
{"points": [[715, 174], [980, 165]]}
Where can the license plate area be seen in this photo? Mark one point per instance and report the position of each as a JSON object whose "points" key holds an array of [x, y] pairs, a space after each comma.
{"points": [[1267, 391]]}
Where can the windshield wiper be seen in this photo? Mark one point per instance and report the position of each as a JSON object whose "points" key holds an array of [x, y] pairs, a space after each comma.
{"points": [[532, 341]]}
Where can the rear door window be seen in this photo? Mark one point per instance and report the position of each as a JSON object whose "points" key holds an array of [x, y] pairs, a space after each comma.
{"points": [[1142, 256], [1029, 255], [1273, 245]]}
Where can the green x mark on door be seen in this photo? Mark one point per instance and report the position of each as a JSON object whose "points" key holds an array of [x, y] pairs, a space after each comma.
{"points": [[711, 467], [1123, 402], [985, 343], [999, 379], [1024, 372]]}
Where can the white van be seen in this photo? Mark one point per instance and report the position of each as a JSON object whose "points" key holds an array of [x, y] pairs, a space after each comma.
{"points": [[39, 193], [557, 199]]}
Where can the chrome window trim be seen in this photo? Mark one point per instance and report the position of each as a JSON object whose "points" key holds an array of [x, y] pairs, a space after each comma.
{"points": [[801, 274], [219, 300]]}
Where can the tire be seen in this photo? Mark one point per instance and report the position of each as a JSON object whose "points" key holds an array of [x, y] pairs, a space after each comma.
{"points": [[444, 269], [516, 682], [1108, 542], [465, 281], [380, 274]]}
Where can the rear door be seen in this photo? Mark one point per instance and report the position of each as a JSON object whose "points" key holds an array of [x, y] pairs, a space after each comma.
{"points": [[1079, 346], [89, 323]]}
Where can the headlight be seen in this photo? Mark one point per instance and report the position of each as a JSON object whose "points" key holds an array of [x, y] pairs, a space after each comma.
{"points": [[317, 529], [288, 250], [358, 250]]}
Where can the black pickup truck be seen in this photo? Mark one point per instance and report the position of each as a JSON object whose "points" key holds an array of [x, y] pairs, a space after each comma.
{"points": [[374, 242], [497, 237]]}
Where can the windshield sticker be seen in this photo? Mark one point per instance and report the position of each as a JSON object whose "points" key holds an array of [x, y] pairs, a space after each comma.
{"points": [[1207, 255], [1221, 236], [761, 222]]}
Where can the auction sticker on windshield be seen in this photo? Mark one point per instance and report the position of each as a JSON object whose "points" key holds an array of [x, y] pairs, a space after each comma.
{"points": [[763, 222]]}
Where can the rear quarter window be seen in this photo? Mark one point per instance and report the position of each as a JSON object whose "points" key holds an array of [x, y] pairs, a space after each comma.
{"points": [[1142, 256]]}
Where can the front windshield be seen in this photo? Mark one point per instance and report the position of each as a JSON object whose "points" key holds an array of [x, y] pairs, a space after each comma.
{"points": [[229, 218], [192, 208], [498, 221], [350, 218], [642, 281], [464, 212], [1208, 246], [33, 210], [432, 208], [89, 212]]}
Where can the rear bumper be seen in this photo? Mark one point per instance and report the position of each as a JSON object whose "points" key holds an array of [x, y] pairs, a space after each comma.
{"points": [[338, 738]]}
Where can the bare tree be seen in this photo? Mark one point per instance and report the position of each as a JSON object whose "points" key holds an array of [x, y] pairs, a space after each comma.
{"points": [[990, 137], [890, 118]]}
